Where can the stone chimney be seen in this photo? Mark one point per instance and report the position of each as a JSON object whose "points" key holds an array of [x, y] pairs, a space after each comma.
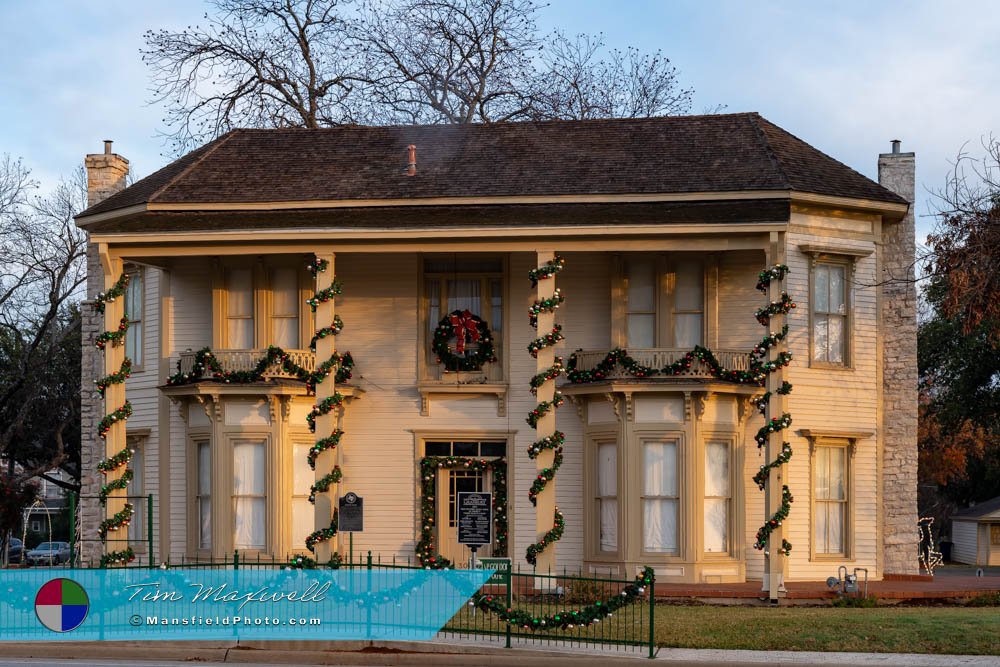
{"points": [[898, 323], [106, 173]]}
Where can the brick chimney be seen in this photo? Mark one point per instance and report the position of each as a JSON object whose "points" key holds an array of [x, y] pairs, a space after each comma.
{"points": [[898, 321], [106, 173]]}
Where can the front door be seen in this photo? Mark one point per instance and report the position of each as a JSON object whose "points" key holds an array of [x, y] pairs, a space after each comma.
{"points": [[451, 482]]}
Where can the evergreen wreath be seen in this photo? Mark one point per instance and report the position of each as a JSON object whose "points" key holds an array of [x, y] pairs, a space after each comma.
{"points": [[464, 327]]}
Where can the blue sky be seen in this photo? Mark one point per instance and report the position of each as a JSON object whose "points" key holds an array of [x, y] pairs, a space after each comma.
{"points": [[846, 76]]}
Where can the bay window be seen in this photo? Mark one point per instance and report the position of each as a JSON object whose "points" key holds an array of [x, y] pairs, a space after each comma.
{"points": [[302, 480], [203, 496], [718, 497], [606, 499], [249, 495], [660, 497]]}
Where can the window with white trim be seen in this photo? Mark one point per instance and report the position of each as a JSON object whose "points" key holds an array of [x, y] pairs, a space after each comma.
{"points": [[136, 488], [660, 497], [831, 498], [134, 294], [830, 313], [718, 497]]}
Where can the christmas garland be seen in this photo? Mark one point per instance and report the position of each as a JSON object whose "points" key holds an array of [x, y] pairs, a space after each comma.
{"points": [[464, 327], [566, 620], [782, 306], [120, 459], [556, 439], [619, 357], [206, 361], [427, 555], [117, 290], [343, 363]]}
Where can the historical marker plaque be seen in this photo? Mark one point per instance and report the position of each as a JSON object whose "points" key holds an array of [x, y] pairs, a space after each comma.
{"points": [[351, 513], [475, 518]]}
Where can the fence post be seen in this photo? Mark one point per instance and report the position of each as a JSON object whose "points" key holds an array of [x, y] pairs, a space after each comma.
{"points": [[72, 530], [236, 559], [149, 528], [652, 619], [368, 600], [510, 598]]}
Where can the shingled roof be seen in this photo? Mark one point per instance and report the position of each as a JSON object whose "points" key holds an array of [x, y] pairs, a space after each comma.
{"points": [[682, 154]]}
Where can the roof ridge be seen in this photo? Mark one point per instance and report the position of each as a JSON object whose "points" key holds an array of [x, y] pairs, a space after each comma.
{"points": [[772, 155], [209, 148]]}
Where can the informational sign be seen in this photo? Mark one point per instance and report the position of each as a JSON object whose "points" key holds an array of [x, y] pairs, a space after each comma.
{"points": [[501, 565], [351, 513], [475, 518]]}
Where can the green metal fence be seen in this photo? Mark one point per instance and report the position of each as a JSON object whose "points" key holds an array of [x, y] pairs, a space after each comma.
{"points": [[144, 535]]}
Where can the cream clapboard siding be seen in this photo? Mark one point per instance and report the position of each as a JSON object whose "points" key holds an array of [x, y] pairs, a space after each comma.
{"points": [[739, 298], [845, 400], [191, 323], [966, 544]]}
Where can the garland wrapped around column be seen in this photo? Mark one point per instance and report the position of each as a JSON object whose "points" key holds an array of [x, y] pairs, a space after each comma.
{"points": [[773, 425], [119, 461], [548, 438], [325, 406]]}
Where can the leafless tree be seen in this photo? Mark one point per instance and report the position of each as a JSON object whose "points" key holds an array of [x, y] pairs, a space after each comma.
{"points": [[316, 63], [256, 63], [582, 79]]}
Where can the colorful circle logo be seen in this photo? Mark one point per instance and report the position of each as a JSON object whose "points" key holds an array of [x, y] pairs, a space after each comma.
{"points": [[61, 605]]}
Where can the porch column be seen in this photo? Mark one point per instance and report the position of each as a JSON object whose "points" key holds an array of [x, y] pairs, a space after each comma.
{"points": [[774, 563], [117, 508], [326, 422], [545, 505]]}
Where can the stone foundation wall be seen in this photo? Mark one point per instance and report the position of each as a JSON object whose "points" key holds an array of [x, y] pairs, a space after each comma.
{"points": [[898, 326]]}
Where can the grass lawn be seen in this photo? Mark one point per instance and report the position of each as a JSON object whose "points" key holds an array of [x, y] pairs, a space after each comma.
{"points": [[885, 630]]}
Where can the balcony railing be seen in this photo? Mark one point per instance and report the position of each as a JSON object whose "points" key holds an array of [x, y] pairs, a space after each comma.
{"points": [[587, 360], [246, 360]]}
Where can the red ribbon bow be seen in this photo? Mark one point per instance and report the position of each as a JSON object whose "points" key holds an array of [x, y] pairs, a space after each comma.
{"points": [[464, 325]]}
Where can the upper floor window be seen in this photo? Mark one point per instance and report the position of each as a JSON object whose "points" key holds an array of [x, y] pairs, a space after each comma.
{"points": [[664, 302], [261, 305], [830, 313], [463, 283], [133, 310]]}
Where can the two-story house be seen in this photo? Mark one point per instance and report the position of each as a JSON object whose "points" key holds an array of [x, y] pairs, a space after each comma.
{"points": [[647, 238]]}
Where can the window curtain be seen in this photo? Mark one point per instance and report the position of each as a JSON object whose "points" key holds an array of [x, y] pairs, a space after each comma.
{"points": [[660, 514], [239, 300], [465, 295], [829, 313], [717, 497], [689, 305], [831, 497], [607, 489], [641, 274], [302, 509], [204, 496], [248, 488], [285, 315]]}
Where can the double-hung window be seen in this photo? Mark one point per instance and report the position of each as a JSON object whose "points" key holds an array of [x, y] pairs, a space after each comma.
{"points": [[135, 489], [831, 493], [660, 497], [718, 497], [302, 480], [203, 494], [133, 311], [464, 283], [606, 497], [261, 304], [239, 309], [285, 305], [249, 494], [664, 301], [830, 313]]}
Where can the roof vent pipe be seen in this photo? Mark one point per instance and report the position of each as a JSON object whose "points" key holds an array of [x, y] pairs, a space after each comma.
{"points": [[411, 169], [107, 146], [895, 145]]}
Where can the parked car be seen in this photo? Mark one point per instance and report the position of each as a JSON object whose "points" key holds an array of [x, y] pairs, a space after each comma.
{"points": [[15, 549], [49, 553]]}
